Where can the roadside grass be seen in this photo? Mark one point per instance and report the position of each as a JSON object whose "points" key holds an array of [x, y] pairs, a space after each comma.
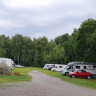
{"points": [[88, 83], [23, 75]]}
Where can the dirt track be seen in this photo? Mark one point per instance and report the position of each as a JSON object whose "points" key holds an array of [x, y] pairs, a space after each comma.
{"points": [[43, 85]]}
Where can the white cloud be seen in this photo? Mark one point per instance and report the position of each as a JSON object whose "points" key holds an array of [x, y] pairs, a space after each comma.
{"points": [[7, 24], [50, 18], [53, 33], [26, 3]]}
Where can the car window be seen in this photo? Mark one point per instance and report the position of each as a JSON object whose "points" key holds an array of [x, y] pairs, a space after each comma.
{"points": [[79, 71], [83, 71], [68, 67]]}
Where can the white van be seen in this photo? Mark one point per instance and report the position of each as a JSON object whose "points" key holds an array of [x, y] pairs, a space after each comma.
{"points": [[58, 67], [73, 66], [7, 61], [47, 66]]}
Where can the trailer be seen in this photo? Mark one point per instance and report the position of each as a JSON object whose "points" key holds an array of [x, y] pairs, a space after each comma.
{"points": [[48, 66], [58, 67], [73, 66], [7, 61]]}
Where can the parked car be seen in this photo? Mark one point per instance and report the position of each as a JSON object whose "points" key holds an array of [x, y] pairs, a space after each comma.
{"points": [[58, 67], [46, 66], [80, 74], [19, 66], [74, 66], [52, 66]]}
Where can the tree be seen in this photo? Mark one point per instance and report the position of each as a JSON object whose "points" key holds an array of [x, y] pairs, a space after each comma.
{"points": [[61, 39], [5, 46], [84, 32]]}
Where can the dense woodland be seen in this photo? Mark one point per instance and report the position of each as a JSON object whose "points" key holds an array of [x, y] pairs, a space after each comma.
{"points": [[79, 46]]}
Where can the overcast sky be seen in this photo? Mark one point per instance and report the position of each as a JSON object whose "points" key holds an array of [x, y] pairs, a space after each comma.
{"points": [[50, 18]]}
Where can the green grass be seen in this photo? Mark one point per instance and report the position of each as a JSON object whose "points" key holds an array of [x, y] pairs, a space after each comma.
{"points": [[22, 77], [89, 83], [25, 77]]}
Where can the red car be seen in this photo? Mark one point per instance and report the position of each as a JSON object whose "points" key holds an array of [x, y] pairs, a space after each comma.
{"points": [[80, 74]]}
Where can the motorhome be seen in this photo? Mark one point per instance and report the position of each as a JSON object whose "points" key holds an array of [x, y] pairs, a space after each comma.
{"points": [[58, 67], [48, 66], [73, 66], [7, 61]]}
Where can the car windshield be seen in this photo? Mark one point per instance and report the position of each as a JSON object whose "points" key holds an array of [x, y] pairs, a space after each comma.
{"points": [[81, 71], [52, 66], [67, 67]]}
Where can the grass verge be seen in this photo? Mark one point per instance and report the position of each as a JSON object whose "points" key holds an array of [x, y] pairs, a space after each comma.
{"points": [[23, 76], [88, 83]]}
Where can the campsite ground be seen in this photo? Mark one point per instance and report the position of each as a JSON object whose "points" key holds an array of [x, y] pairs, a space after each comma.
{"points": [[44, 85]]}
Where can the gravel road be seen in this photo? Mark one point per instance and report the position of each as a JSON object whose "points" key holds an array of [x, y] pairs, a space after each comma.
{"points": [[43, 85]]}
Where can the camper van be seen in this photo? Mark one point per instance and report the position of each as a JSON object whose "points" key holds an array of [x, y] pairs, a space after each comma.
{"points": [[58, 67], [7, 61], [73, 66], [48, 66]]}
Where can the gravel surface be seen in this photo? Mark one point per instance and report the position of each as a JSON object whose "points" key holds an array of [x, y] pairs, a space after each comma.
{"points": [[43, 85]]}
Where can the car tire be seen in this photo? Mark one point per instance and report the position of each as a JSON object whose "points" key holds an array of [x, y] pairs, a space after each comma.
{"points": [[88, 77], [67, 73], [73, 76], [54, 70]]}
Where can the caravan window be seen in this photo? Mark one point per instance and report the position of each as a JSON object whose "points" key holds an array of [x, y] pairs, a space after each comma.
{"points": [[77, 67], [94, 66], [60, 66], [84, 67], [89, 67]]}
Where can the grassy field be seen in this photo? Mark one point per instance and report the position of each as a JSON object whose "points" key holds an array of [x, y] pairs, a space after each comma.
{"points": [[23, 75], [81, 82]]}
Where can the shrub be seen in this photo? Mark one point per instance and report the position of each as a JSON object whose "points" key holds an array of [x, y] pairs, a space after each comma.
{"points": [[16, 73], [5, 69]]}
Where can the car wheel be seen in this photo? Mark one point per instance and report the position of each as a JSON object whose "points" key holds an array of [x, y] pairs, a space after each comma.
{"points": [[88, 77], [67, 73], [73, 76], [54, 70]]}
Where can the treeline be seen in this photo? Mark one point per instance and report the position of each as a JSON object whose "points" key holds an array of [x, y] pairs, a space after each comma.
{"points": [[79, 46]]}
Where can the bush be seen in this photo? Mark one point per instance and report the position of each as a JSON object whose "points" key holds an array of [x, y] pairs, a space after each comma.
{"points": [[16, 73], [5, 69]]}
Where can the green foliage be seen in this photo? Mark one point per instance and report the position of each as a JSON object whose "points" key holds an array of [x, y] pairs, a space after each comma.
{"points": [[79, 46], [84, 35], [56, 56], [22, 77], [62, 39]]}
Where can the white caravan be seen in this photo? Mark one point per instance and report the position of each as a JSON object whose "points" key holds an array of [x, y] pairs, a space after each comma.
{"points": [[7, 61], [48, 66], [58, 67], [73, 66]]}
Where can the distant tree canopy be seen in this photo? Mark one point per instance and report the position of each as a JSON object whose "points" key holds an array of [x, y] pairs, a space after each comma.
{"points": [[79, 46]]}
